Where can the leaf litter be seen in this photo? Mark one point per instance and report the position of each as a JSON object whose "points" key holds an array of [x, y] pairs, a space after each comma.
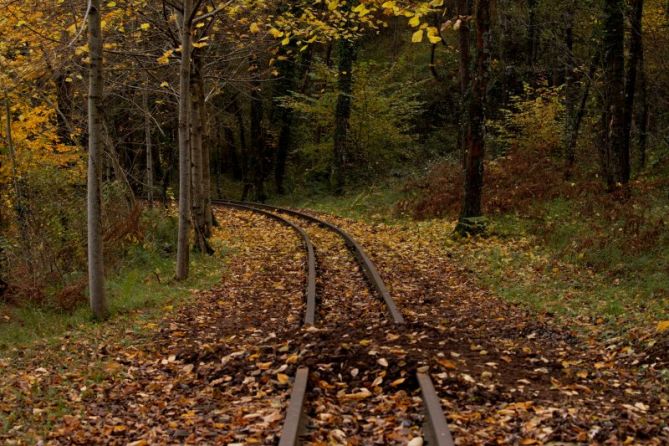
{"points": [[219, 371]]}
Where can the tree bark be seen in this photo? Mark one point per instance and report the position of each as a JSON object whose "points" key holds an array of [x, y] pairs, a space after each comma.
{"points": [[470, 216], [616, 155], [577, 119], [149, 146], [343, 114], [532, 33], [636, 48], [96, 281], [284, 116], [571, 90], [184, 143], [12, 157], [258, 157], [643, 112], [198, 199], [464, 9]]}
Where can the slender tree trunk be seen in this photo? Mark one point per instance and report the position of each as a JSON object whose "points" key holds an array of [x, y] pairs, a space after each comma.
{"points": [[149, 147], [636, 48], [12, 156], [464, 12], [184, 144], [532, 33], [258, 161], [206, 175], [471, 213], [343, 114], [284, 116], [616, 155], [231, 149], [577, 119], [96, 281], [245, 156], [571, 90], [643, 113], [198, 199]]}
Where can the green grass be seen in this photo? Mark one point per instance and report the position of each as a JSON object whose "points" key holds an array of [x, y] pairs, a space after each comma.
{"points": [[140, 288], [373, 202], [550, 258]]}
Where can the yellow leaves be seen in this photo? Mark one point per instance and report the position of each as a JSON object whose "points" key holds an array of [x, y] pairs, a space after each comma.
{"points": [[81, 50], [286, 41], [111, 4], [361, 395], [397, 382], [282, 378], [165, 58], [361, 9], [437, 3], [446, 363], [145, 26], [276, 33], [332, 4], [662, 326], [199, 44], [415, 21], [254, 28], [433, 35], [417, 37]]}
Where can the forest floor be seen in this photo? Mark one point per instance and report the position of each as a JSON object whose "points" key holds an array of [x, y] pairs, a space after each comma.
{"points": [[216, 368]]}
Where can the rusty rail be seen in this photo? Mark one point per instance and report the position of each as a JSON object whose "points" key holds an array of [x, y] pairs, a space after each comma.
{"points": [[367, 265], [435, 427], [310, 291]]}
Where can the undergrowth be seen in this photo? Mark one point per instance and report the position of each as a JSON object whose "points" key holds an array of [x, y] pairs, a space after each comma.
{"points": [[139, 284]]}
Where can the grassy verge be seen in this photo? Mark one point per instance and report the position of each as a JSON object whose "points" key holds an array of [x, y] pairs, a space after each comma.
{"points": [[583, 258], [139, 289], [374, 202]]}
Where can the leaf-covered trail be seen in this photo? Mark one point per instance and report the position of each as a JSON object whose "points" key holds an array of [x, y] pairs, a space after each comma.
{"points": [[341, 408], [218, 371]]}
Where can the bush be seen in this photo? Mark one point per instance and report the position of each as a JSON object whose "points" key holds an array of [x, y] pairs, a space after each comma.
{"points": [[44, 242], [521, 167], [381, 133]]}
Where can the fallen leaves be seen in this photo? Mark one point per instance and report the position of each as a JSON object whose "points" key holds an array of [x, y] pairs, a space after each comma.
{"points": [[220, 371]]}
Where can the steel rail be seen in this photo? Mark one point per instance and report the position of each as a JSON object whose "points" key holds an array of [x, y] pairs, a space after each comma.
{"points": [[435, 427], [310, 291], [363, 259]]}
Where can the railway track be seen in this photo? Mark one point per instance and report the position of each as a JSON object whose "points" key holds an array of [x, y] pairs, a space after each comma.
{"points": [[435, 429]]}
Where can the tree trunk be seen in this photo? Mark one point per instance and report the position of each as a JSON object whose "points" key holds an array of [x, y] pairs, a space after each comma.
{"points": [[258, 161], [149, 146], [577, 119], [571, 90], [12, 157], [616, 159], [532, 33], [96, 281], [343, 114], [184, 146], [470, 216], [636, 48], [284, 116], [198, 206], [643, 113], [464, 13], [206, 176]]}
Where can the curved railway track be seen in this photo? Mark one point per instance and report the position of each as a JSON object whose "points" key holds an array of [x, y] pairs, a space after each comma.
{"points": [[435, 428]]}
